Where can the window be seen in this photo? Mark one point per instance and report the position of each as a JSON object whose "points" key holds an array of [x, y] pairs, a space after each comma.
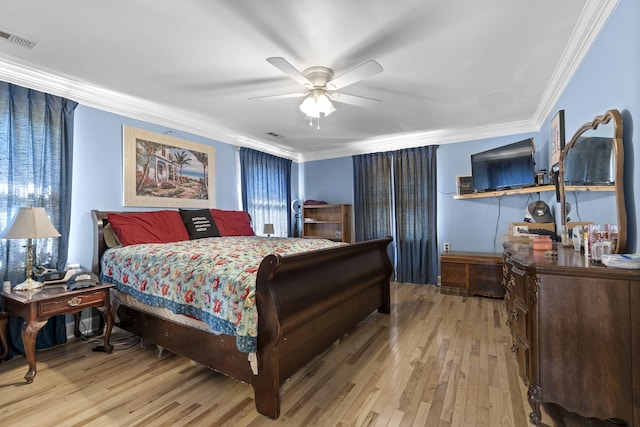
{"points": [[266, 190], [36, 142]]}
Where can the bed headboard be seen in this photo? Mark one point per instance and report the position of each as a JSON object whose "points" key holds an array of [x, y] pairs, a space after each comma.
{"points": [[99, 245]]}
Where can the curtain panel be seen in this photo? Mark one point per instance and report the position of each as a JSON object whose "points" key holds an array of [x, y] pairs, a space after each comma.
{"points": [[266, 190], [415, 212], [395, 194], [372, 207], [36, 153]]}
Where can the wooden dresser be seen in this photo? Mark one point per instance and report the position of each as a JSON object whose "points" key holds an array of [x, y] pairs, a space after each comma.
{"points": [[471, 273], [575, 329]]}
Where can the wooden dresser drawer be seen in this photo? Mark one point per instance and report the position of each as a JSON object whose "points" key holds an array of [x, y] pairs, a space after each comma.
{"points": [[65, 303], [521, 349], [508, 304], [518, 282], [520, 318]]}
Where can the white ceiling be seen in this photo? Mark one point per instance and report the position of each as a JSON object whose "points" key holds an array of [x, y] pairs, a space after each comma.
{"points": [[453, 69]]}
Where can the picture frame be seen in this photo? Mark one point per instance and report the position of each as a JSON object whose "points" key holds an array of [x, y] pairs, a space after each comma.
{"points": [[164, 171], [557, 137]]}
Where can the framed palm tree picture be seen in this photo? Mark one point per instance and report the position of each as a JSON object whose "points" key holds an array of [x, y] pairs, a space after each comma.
{"points": [[164, 171]]}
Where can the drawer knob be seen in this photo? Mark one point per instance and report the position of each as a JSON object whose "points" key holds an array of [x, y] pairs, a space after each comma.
{"points": [[514, 315], [74, 302]]}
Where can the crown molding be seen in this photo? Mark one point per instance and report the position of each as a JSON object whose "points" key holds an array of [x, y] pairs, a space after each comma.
{"points": [[132, 107], [419, 139], [590, 22], [266, 147]]}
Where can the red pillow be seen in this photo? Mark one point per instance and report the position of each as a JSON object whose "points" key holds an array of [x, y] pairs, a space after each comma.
{"points": [[148, 227], [232, 223]]}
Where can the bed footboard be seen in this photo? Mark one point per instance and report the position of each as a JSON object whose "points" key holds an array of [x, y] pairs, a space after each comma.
{"points": [[307, 301]]}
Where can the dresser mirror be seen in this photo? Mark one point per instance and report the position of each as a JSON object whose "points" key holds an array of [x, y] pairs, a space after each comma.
{"points": [[590, 176]]}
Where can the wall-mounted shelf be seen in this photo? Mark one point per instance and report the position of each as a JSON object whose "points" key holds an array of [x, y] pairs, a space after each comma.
{"points": [[526, 190], [536, 189], [590, 188]]}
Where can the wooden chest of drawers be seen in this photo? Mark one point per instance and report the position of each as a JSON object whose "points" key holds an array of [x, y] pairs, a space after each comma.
{"points": [[575, 329]]}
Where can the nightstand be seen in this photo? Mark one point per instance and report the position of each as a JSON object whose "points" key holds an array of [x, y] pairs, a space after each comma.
{"points": [[35, 308]]}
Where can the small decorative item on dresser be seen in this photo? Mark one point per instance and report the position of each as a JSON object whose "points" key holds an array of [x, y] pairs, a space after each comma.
{"points": [[542, 243]]}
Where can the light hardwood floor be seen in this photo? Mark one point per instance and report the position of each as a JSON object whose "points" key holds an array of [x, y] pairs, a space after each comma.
{"points": [[437, 360]]}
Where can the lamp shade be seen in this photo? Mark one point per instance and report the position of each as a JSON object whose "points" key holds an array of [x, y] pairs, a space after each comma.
{"points": [[309, 107], [30, 223], [268, 229], [324, 104], [316, 103]]}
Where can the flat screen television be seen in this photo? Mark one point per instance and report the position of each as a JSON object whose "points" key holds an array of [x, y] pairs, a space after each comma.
{"points": [[509, 166]]}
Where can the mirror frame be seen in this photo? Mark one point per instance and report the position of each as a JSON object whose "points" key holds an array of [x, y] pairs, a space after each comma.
{"points": [[619, 173]]}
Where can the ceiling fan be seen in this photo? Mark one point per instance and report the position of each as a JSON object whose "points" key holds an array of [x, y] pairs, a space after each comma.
{"points": [[320, 86]]}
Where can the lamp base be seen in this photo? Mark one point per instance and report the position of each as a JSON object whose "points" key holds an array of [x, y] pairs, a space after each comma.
{"points": [[29, 285]]}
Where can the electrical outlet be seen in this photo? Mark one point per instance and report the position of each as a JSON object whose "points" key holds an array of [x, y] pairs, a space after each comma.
{"points": [[447, 247]]}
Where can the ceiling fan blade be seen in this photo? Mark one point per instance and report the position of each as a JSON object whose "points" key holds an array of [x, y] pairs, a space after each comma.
{"points": [[360, 101], [288, 95], [361, 72], [284, 66]]}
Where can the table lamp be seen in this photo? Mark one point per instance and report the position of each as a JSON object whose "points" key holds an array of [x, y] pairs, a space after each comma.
{"points": [[30, 223], [268, 230]]}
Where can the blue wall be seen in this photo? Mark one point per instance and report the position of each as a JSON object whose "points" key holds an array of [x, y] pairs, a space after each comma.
{"points": [[477, 225], [328, 180], [97, 173]]}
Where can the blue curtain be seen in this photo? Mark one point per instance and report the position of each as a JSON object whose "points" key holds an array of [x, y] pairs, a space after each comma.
{"points": [[395, 194], [36, 147], [414, 177], [372, 208], [266, 190]]}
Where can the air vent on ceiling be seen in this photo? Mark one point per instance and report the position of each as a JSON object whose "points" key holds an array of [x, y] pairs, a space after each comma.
{"points": [[20, 41], [274, 135]]}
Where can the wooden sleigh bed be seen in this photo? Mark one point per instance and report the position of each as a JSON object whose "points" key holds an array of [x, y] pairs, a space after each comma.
{"points": [[305, 302]]}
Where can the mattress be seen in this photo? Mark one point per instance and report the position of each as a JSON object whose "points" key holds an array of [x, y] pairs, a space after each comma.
{"points": [[212, 279]]}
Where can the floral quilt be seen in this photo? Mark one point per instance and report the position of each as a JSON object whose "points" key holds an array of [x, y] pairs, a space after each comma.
{"points": [[211, 279]]}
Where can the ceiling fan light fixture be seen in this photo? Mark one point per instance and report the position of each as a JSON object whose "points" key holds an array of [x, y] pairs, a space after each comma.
{"points": [[309, 107], [325, 106], [317, 103]]}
